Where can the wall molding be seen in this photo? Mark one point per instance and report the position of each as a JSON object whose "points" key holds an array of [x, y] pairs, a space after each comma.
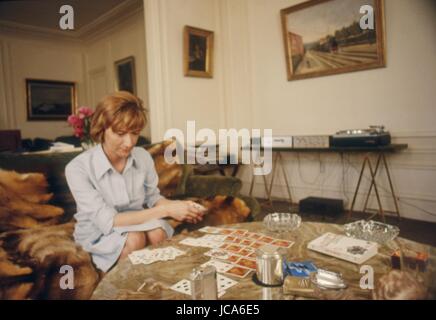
{"points": [[225, 88], [6, 77], [157, 60], [102, 24]]}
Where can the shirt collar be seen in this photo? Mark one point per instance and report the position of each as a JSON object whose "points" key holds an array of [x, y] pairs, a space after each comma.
{"points": [[103, 165]]}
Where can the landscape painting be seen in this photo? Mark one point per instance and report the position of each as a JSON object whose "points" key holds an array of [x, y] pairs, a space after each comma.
{"points": [[324, 37]]}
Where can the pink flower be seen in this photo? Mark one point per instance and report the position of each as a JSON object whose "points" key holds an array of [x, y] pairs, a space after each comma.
{"points": [[81, 122], [86, 111]]}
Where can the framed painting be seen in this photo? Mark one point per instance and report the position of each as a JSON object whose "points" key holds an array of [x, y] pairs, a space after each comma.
{"points": [[126, 75], [198, 52], [50, 100], [325, 37]]}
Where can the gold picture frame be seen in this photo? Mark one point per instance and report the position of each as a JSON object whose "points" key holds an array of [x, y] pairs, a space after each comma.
{"points": [[126, 75], [324, 37], [198, 52], [50, 100]]}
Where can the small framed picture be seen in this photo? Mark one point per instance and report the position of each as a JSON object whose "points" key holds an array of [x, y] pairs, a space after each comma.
{"points": [[125, 73], [198, 52], [50, 100]]}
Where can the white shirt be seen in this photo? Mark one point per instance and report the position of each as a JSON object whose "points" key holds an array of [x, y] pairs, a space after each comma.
{"points": [[101, 192]]}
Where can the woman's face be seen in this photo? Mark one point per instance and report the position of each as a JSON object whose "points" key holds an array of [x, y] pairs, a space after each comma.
{"points": [[120, 143]]}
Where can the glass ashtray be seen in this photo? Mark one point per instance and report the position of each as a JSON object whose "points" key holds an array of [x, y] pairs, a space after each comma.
{"points": [[282, 222], [371, 231]]}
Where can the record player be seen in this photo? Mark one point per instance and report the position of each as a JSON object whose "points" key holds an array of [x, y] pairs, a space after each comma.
{"points": [[371, 137]]}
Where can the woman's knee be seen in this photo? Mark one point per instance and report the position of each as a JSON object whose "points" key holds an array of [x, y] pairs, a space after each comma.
{"points": [[156, 236], [136, 241]]}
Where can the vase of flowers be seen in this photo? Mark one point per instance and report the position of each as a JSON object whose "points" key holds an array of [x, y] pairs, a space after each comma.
{"points": [[81, 123]]}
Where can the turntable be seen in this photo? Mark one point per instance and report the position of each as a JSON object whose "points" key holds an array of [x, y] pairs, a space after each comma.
{"points": [[371, 137]]}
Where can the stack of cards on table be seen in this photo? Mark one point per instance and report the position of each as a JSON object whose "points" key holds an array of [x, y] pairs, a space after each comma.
{"points": [[147, 256], [233, 250], [223, 283]]}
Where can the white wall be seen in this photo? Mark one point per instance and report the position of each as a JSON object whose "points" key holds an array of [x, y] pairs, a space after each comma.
{"points": [[89, 62], [113, 43], [250, 89], [39, 58]]}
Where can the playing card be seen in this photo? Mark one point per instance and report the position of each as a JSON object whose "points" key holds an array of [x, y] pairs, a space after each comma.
{"points": [[223, 283], [226, 231], [239, 232], [218, 254], [211, 230], [266, 239], [234, 248], [247, 263], [134, 259], [245, 252], [232, 259], [189, 242], [239, 272], [282, 243], [256, 245], [219, 265], [247, 242], [147, 256], [183, 286], [253, 235], [224, 246]]}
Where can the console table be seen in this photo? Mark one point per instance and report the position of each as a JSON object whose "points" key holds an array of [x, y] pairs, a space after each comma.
{"points": [[380, 152]]}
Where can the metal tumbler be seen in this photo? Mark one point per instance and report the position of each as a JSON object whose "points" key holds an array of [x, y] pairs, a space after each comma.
{"points": [[269, 265]]}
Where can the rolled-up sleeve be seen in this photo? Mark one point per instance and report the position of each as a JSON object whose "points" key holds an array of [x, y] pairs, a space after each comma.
{"points": [[152, 192], [88, 199]]}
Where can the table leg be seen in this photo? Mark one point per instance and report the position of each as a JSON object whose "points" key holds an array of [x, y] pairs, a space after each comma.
{"points": [[286, 180], [391, 186], [376, 193], [273, 172], [372, 182], [358, 186]]}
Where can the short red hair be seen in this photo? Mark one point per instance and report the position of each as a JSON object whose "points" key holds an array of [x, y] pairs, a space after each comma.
{"points": [[121, 111]]}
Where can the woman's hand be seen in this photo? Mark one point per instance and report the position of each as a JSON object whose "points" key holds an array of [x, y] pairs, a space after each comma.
{"points": [[185, 211]]}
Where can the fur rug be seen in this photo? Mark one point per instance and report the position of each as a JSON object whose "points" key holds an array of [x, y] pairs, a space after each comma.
{"points": [[30, 262], [23, 199], [34, 248]]}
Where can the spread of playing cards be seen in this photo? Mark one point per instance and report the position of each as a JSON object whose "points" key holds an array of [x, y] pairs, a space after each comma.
{"points": [[232, 253], [148, 256]]}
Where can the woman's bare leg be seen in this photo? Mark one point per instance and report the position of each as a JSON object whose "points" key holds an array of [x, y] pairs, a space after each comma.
{"points": [[156, 236], [135, 241]]}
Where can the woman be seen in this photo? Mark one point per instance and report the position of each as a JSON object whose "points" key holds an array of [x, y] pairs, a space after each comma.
{"points": [[112, 181]]}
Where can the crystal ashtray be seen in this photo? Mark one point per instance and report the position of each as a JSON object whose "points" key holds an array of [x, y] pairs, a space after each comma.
{"points": [[371, 231], [282, 222]]}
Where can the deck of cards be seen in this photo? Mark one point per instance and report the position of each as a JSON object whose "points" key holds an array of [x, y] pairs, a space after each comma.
{"points": [[148, 256]]}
